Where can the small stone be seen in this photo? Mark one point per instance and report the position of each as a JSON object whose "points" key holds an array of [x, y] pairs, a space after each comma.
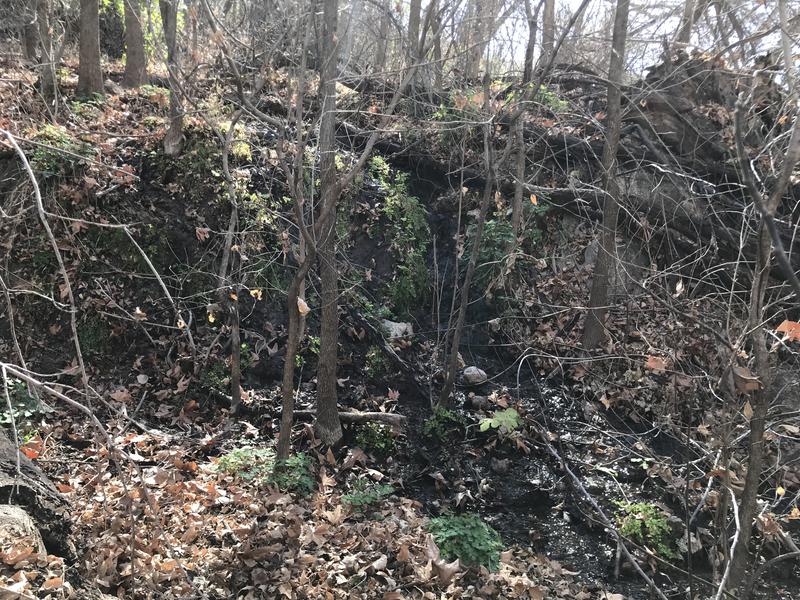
{"points": [[477, 402], [474, 376]]}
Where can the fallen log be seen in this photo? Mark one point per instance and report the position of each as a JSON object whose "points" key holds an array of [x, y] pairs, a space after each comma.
{"points": [[358, 417], [30, 489]]}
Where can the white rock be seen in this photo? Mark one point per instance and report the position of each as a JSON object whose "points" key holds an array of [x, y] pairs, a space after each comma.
{"points": [[396, 330], [474, 376]]}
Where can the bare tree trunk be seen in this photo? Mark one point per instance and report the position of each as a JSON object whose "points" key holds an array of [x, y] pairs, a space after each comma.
{"points": [[548, 31], [594, 329], [768, 237], [30, 33], [135, 58], [438, 67], [352, 20], [533, 21], [47, 75], [173, 140], [382, 41], [327, 425], [488, 159], [684, 34], [414, 16], [519, 179], [90, 73]]}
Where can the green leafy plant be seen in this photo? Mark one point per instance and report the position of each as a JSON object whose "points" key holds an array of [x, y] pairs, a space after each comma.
{"points": [[495, 242], [60, 154], [364, 494], [376, 438], [375, 363], [647, 525], [551, 100], [24, 405], [94, 335], [251, 464], [408, 234], [442, 424], [294, 474], [259, 465], [468, 538], [505, 420]]}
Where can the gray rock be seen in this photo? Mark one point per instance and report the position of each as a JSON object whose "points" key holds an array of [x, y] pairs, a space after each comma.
{"points": [[474, 376], [396, 330]]}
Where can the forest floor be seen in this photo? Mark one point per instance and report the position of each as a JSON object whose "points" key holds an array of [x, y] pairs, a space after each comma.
{"points": [[173, 498]]}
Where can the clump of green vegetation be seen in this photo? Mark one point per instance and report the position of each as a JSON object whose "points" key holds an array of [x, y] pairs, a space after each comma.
{"points": [[364, 494], [376, 438], [250, 464], [218, 373], [294, 474], [408, 234], [505, 420], [468, 538], [375, 364], [60, 155], [259, 465], [94, 335], [25, 406], [646, 524], [442, 424], [551, 100], [497, 238]]}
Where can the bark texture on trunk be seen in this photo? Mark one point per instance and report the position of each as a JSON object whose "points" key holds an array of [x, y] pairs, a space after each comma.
{"points": [[327, 425], [135, 58], [173, 140], [594, 329], [90, 73]]}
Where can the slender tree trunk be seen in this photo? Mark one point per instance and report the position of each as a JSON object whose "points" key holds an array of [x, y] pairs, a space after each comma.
{"points": [[30, 34], [684, 34], [173, 140], [488, 159], [327, 425], [352, 23], [382, 41], [90, 73], [414, 17], [47, 75], [548, 31], [135, 58], [519, 180], [594, 330], [438, 67], [533, 21]]}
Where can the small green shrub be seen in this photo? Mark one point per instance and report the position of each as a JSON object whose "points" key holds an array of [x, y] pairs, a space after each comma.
{"points": [[364, 494], [496, 240], [375, 363], [94, 335], [60, 155], [294, 474], [505, 420], [551, 100], [442, 424], [376, 438], [250, 464], [408, 234], [647, 525], [24, 405], [468, 538], [259, 465]]}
